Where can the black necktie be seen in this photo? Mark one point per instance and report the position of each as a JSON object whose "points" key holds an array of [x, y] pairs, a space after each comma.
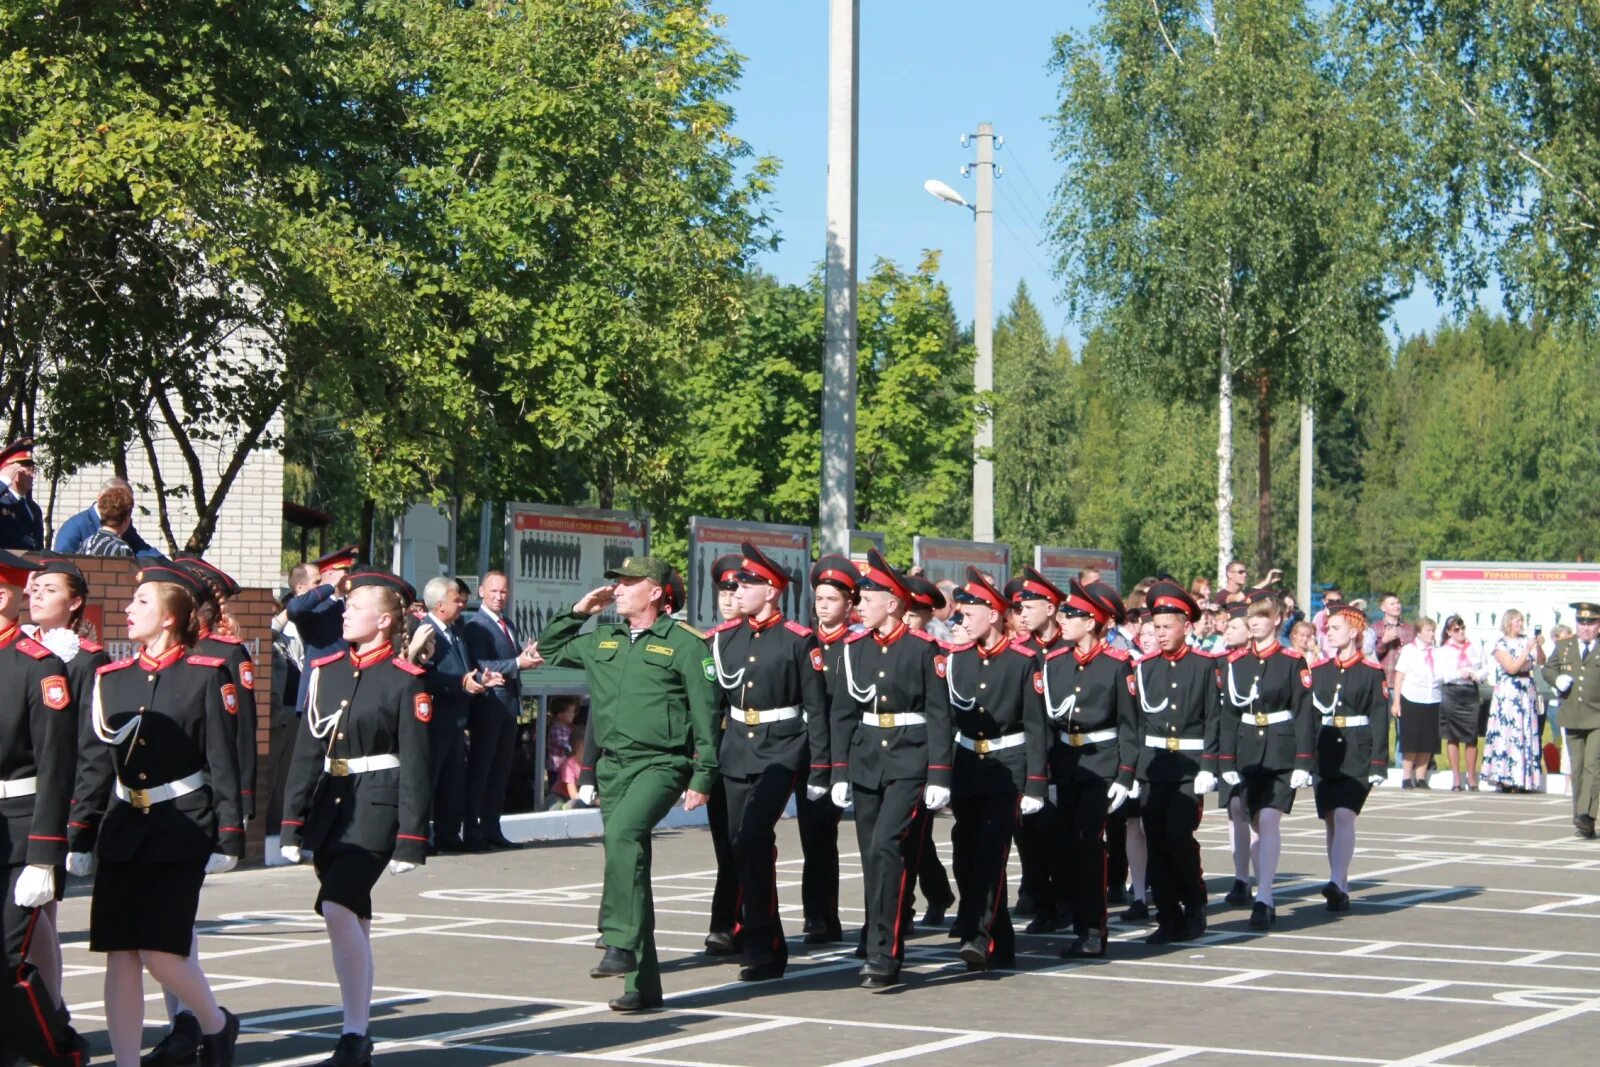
{"points": [[1585, 657]]}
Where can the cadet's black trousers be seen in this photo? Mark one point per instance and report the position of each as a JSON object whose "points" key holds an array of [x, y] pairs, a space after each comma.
{"points": [[1171, 816], [1081, 824], [819, 844], [890, 832], [982, 840], [725, 895], [16, 924], [754, 807], [1043, 873], [932, 878]]}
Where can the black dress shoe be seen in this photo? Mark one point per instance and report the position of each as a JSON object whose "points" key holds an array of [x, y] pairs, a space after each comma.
{"points": [[1116, 895], [1167, 934], [1195, 926], [1023, 908], [1584, 824], [504, 843], [634, 1001], [1262, 916], [1042, 924], [353, 1050], [975, 954], [1239, 894], [880, 972], [721, 943], [449, 845], [1338, 899], [180, 1045], [762, 972], [615, 963], [216, 1050], [1422, 783], [1138, 912], [1086, 946], [934, 916], [824, 935], [600, 942]]}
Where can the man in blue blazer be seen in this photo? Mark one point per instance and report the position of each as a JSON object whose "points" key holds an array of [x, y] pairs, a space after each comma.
{"points": [[77, 529], [318, 613], [453, 679], [496, 647]]}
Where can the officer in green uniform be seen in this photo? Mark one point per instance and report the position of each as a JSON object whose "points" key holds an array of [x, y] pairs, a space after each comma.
{"points": [[652, 733], [1573, 671]]}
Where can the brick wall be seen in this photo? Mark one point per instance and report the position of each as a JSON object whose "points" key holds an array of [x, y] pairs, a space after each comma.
{"points": [[111, 585]]}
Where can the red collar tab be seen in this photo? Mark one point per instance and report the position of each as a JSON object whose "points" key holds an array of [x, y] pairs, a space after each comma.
{"points": [[1352, 661], [162, 662], [1263, 653], [9, 634], [1082, 659], [1176, 656], [892, 636], [764, 624], [998, 647], [362, 660], [1044, 645], [829, 637]]}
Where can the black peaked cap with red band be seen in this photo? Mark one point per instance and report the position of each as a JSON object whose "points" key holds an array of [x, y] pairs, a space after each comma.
{"points": [[160, 572], [979, 590], [1036, 586], [14, 570], [756, 566], [1082, 603], [924, 594], [837, 571], [348, 556], [207, 572], [374, 576], [879, 575], [18, 451], [725, 571], [673, 595], [1253, 596], [1170, 598], [1108, 597]]}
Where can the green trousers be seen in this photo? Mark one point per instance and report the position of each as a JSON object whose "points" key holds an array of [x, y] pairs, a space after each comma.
{"points": [[636, 792]]}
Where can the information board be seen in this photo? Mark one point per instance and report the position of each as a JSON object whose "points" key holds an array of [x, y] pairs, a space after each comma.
{"points": [[1482, 592], [942, 559], [554, 555], [1061, 565], [788, 546]]}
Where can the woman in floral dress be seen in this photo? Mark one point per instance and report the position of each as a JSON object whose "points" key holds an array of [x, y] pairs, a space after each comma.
{"points": [[1512, 744]]}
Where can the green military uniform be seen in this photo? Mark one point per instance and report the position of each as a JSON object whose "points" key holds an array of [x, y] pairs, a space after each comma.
{"points": [[652, 732], [1580, 718]]}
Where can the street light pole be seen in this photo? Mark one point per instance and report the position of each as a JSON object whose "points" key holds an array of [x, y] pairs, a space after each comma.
{"points": [[838, 503], [983, 337], [1302, 563]]}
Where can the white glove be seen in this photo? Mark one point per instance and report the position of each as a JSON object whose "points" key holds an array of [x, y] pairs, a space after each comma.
{"points": [[815, 792], [1030, 805], [36, 886], [290, 853], [586, 794], [1133, 794], [841, 794], [1118, 795], [935, 797], [1377, 779], [1563, 684], [1204, 782], [220, 864], [1299, 779], [80, 863], [1231, 777], [401, 866]]}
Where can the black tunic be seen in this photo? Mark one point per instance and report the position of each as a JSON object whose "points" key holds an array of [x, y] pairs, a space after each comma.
{"points": [[94, 759], [232, 651], [38, 739], [774, 664], [996, 693], [1178, 700], [1095, 693], [897, 673], [1260, 683]]}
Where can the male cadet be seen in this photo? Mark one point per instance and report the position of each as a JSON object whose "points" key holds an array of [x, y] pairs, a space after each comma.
{"points": [[1044, 876], [652, 734], [1568, 672], [770, 672], [318, 613], [891, 742], [21, 521], [833, 589], [996, 702], [927, 600], [1179, 699], [38, 752], [725, 936]]}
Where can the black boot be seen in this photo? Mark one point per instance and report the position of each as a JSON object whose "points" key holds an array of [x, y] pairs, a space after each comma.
{"points": [[180, 1045], [1087, 946], [1262, 916], [975, 954], [1138, 912], [615, 963], [353, 1050], [1239, 894], [216, 1050]]}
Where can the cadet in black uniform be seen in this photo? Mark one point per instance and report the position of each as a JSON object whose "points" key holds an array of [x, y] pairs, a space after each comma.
{"points": [[769, 671], [175, 817], [358, 791], [833, 587], [1041, 891], [1349, 694], [891, 744], [1178, 701], [997, 707], [1242, 840], [38, 747], [1268, 729], [1089, 698], [932, 879], [725, 937], [219, 636]]}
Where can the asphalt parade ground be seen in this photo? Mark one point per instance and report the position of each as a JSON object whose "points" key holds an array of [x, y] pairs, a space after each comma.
{"points": [[1474, 938]]}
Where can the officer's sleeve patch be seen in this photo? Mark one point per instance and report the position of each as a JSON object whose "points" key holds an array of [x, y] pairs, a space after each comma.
{"points": [[709, 665], [1305, 679], [422, 706], [230, 698], [55, 691], [1038, 682], [1133, 686], [940, 665], [247, 674], [816, 659]]}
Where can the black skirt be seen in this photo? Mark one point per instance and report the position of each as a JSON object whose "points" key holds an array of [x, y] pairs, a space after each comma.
{"points": [[1419, 727], [347, 878], [1267, 789], [1458, 714], [145, 906], [1341, 792], [1226, 793]]}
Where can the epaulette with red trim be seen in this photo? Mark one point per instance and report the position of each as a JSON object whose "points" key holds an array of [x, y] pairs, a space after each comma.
{"points": [[1116, 653], [953, 649], [86, 645], [332, 657], [29, 647], [795, 628], [925, 635], [1224, 654], [206, 661], [407, 666], [721, 626], [1032, 653], [1374, 664], [115, 665], [858, 635], [1292, 653], [226, 639], [1054, 652], [1238, 654], [1021, 639]]}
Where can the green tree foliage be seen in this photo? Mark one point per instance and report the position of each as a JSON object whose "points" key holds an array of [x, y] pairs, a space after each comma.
{"points": [[1033, 422]]}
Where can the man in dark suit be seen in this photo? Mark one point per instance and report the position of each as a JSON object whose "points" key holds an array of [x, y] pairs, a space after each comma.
{"points": [[495, 646], [318, 613], [21, 521], [453, 680], [76, 530]]}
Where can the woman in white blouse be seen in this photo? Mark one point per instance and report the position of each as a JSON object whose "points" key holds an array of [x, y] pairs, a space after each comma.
{"points": [[1416, 705], [1460, 666]]}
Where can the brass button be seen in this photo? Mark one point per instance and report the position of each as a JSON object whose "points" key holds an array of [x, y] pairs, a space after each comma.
{"points": [[1174, 685], [752, 659], [884, 743], [749, 685], [880, 674], [341, 737], [344, 703], [142, 776], [338, 800], [884, 650], [357, 674], [883, 700], [983, 685], [141, 707], [1078, 689], [149, 677], [141, 742], [752, 734]]}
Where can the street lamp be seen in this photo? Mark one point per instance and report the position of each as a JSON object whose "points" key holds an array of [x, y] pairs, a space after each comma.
{"points": [[940, 191]]}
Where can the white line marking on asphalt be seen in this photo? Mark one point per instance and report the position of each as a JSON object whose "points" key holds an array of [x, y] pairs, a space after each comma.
{"points": [[1456, 1048]]}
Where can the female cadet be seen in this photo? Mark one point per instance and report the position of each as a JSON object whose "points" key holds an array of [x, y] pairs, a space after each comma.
{"points": [[1353, 745], [219, 636], [1268, 728], [358, 790], [167, 715], [1242, 842]]}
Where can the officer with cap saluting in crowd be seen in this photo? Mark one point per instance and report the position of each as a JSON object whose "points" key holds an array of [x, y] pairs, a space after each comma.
{"points": [[21, 521], [1573, 671], [652, 734]]}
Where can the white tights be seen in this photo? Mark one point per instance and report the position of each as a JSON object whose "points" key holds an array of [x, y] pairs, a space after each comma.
{"points": [[125, 996], [1268, 844], [350, 938], [1241, 836], [1138, 857], [1341, 836]]}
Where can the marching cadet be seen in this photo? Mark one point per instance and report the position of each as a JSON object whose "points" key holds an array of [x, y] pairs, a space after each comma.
{"points": [[167, 714], [359, 788], [1178, 699], [833, 586], [219, 636], [996, 705], [1269, 727], [1242, 839], [38, 747], [725, 938], [21, 521], [890, 745], [1042, 888], [1089, 698], [932, 879], [770, 672], [1350, 694], [652, 733], [1567, 672]]}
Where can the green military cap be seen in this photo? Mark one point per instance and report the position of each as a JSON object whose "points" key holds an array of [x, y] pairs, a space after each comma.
{"points": [[1587, 612], [641, 567]]}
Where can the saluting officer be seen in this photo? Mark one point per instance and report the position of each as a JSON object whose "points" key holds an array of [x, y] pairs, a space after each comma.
{"points": [[1089, 698], [770, 672], [652, 733], [1178, 697], [1042, 888], [38, 747], [997, 706], [891, 744], [1349, 692], [1269, 728], [359, 787], [21, 521], [318, 613], [725, 936], [833, 587], [1573, 671]]}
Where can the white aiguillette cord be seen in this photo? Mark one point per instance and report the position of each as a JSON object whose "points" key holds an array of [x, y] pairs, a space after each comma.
{"points": [[730, 682], [1233, 692], [1143, 703], [320, 725], [1051, 708], [861, 696], [957, 701], [102, 730]]}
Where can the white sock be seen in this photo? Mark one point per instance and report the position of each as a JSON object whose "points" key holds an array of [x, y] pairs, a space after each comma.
{"points": [[1342, 848], [351, 943], [1138, 858], [1270, 844], [1239, 839]]}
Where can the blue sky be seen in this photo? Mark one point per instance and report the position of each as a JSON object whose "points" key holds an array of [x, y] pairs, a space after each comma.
{"points": [[930, 72]]}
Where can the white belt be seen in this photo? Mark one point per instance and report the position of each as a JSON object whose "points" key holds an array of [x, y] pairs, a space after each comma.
{"points": [[156, 794], [889, 719], [1093, 737], [1174, 744], [751, 717], [360, 765], [19, 787], [1266, 718], [983, 746], [1341, 721]]}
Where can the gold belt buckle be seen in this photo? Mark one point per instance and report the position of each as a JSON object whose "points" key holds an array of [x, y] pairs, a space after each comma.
{"points": [[886, 719], [1338, 721], [1261, 718], [1172, 744], [752, 718], [339, 768], [139, 798], [983, 747], [1076, 740]]}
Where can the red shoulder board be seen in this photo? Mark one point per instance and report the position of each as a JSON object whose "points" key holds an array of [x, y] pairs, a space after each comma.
{"points": [[721, 626], [795, 628], [1238, 654], [329, 658], [407, 666], [1374, 664], [1212, 655], [90, 646], [206, 661], [925, 635], [226, 639], [1053, 653], [858, 635], [1022, 639], [29, 647], [1116, 653], [115, 666], [953, 649], [1031, 652], [1292, 653]]}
